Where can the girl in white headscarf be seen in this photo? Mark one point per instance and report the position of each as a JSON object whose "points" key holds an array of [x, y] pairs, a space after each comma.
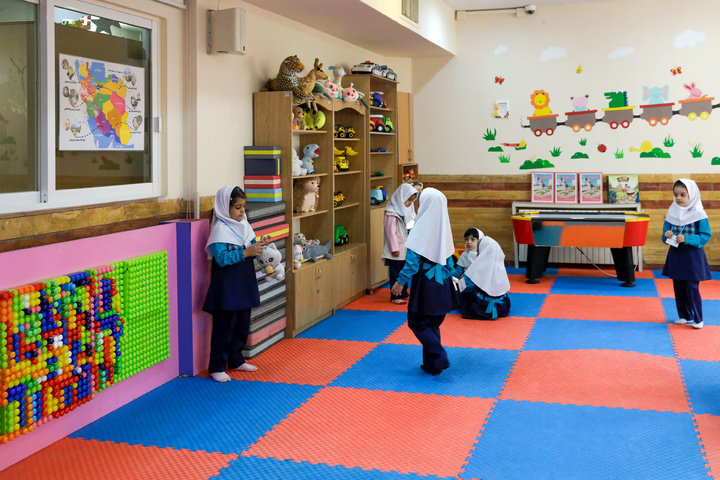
{"points": [[485, 296], [687, 230], [428, 263], [399, 217], [472, 242], [233, 289]]}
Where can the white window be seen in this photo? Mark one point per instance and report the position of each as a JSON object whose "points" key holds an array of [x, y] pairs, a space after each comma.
{"points": [[78, 96]]}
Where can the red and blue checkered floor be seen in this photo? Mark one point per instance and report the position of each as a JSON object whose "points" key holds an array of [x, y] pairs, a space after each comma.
{"points": [[586, 380]]}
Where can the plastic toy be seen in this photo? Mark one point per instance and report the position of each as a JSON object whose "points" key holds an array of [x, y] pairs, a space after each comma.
{"points": [[350, 132], [409, 175], [298, 118], [305, 194], [377, 124], [297, 256], [379, 150], [367, 67], [349, 151], [338, 199], [341, 236], [388, 124], [313, 251], [271, 259], [376, 100], [340, 131], [377, 174], [310, 151], [297, 168], [377, 195], [337, 151], [342, 164], [388, 73]]}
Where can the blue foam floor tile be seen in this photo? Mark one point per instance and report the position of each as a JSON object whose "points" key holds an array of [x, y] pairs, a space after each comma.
{"points": [[549, 272], [524, 440], [200, 414], [702, 380], [357, 325], [644, 287], [473, 372], [255, 468], [711, 311], [526, 304], [561, 334]]}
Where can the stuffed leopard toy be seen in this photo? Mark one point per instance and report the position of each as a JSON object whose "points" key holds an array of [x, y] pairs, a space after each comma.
{"points": [[287, 80]]}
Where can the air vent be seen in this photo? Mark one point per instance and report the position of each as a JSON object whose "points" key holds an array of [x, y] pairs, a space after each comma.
{"points": [[410, 10]]}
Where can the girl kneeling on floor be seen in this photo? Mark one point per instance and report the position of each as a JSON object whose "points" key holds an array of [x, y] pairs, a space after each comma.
{"points": [[486, 284]]}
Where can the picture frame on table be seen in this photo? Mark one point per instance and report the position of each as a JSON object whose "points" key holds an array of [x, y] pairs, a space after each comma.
{"points": [[566, 190], [591, 187], [542, 187], [623, 188]]}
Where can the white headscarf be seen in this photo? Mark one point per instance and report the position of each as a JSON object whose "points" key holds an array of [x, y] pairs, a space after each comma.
{"points": [[431, 236], [469, 256], [690, 213], [488, 270], [397, 203], [224, 229]]}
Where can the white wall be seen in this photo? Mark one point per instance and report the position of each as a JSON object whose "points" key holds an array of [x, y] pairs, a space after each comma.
{"points": [[454, 97], [225, 84]]}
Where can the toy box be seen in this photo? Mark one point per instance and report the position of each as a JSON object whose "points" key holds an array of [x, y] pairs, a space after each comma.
{"points": [[262, 160], [543, 187], [566, 188], [591, 187]]}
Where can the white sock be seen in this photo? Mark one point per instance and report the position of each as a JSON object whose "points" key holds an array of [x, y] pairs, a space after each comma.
{"points": [[220, 377], [246, 367]]}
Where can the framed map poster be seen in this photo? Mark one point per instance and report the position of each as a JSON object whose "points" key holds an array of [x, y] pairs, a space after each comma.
{"points": [[100, 106], [591, 188]]}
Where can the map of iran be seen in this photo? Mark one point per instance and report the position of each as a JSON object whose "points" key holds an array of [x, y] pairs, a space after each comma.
{"points": [[101, 106]]}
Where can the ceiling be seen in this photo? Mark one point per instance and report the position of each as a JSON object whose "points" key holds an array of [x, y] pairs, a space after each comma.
{"points": [[371, 30]]}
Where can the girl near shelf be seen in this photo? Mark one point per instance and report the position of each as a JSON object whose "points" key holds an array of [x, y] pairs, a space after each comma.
{"points": [[233, 289], [687, 230], [399, 217], [428, 263], [485, 285]]}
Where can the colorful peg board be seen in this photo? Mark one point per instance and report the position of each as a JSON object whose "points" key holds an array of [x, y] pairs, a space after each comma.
{"points": [[65, 339]]}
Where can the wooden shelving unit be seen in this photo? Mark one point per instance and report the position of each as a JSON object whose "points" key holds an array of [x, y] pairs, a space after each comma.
{"points": [[385, 162], [317, 288]]}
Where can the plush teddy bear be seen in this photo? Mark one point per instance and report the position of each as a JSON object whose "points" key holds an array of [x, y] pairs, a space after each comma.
{"points": [[271, 259], [305, 194], [297, 169], [298, 118]]}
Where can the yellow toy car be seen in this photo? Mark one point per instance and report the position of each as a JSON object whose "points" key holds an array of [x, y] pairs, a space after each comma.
{"points": [[342, 164]]}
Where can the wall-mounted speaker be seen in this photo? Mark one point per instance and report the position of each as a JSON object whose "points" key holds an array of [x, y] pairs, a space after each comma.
{"points": [[226, 31]]}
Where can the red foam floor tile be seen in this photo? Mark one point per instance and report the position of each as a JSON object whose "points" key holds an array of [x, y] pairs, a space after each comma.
{"points": [[305, 361], [599, 378], [518, 285], [709, 429], [693, 344], [594, 272], [77, 458], [372, 429], [601, 307], [709, 289], [380, 301], [507, 333]]}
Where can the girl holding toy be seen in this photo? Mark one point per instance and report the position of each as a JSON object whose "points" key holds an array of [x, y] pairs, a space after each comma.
{"points": [[484, 287], [428, 263], [233, 289], [687, 230], [399, 217]]}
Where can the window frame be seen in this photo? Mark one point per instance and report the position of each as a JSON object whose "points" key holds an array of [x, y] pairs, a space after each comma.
{"points": [[47, 196]]}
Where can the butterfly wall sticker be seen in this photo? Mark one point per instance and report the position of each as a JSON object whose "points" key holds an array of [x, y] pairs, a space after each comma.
{"points": [[676, 70], [499, 80]]}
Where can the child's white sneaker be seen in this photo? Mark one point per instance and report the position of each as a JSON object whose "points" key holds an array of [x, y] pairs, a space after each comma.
{"points": [[681, 321], [221, 377], [245, 367], [698, 325]]}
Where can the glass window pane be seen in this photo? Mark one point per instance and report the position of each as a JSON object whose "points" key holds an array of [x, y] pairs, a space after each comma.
{"points": [[18, 97], [103, 101]]}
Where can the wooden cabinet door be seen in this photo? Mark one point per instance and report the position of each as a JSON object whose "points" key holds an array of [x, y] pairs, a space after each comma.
{"points": [[314, 298], [376, 268], [350, 275], [358, 263]]}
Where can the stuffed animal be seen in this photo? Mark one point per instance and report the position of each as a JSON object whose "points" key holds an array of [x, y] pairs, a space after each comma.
{"points": [[298, 118], [287, 80], [299, 239], [351, 95], [271, 259], [310, 151], [313, 252], [297, 169], [305, 194], [314, 120], [309, 81], [297, 256]]}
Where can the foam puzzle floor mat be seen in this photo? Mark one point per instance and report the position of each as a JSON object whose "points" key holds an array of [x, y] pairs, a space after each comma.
{"points": [[585, 380]]}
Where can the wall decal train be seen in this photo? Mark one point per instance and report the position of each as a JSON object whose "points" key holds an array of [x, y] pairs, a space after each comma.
{"points": [[618, 113]]}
